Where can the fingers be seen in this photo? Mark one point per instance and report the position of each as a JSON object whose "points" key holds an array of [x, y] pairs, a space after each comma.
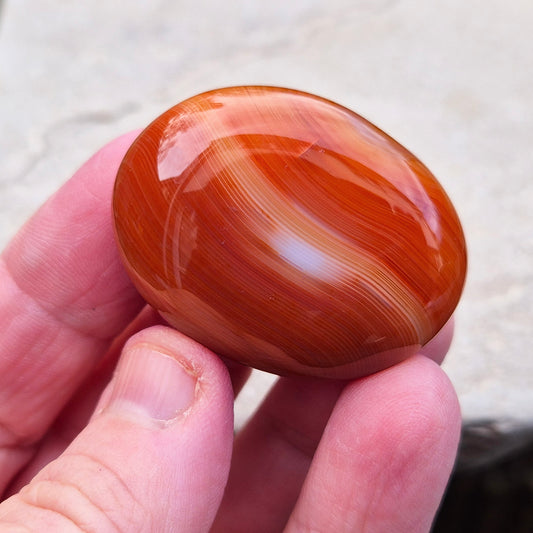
{"points": [[75, 416], [272, 455], [154, 457], [386, 454], [63, 297], [274, 451], [79, 409]]}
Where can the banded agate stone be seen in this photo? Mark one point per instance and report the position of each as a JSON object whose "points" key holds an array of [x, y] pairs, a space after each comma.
{"points": [[286, 232]]}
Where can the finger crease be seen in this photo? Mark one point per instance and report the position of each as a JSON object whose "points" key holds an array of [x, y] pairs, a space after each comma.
{"points": [[59, 319], [297, 440]]}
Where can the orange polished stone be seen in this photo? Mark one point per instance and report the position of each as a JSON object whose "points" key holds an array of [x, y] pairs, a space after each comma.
{"points": [[286, 232]]}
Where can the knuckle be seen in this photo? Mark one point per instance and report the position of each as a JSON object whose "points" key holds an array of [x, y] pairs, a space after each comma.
{"points": [[88, 495]]}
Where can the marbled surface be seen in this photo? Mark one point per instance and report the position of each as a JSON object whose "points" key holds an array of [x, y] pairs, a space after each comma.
{"points": [[452, 83], [286, 232]]}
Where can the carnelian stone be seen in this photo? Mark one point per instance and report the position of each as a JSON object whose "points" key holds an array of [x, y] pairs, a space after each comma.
{"points": [[286, 232]]}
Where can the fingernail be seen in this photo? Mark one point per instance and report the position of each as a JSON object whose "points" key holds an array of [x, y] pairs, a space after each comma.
{"points": [[152, 384]]}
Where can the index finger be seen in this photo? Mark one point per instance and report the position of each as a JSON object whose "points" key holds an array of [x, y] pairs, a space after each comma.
{"points": [[64, 296], [386, 454]]}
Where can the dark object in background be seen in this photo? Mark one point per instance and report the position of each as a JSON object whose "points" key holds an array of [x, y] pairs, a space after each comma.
{"points": [[491, 490]]}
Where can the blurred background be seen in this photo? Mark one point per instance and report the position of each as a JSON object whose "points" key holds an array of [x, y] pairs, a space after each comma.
{"points": [[451, 80]]}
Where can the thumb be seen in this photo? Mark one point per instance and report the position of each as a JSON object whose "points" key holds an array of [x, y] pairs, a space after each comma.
{"points": [[155, 455]]}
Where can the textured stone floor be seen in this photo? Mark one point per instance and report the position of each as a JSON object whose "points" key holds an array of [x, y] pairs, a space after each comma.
{"points": [[452, 83]]}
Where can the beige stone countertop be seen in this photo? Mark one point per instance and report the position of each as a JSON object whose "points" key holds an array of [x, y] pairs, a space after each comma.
{"points": [[451, 80]]}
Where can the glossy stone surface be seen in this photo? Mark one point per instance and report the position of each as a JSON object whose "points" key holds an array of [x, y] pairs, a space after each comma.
{"points": [[286, 232]]}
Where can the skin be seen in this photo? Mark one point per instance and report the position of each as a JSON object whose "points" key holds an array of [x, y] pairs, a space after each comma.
{"points": [[110, 421]]}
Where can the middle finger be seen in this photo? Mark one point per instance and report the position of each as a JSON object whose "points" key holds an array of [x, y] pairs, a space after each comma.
{"points": [[272, 455]]}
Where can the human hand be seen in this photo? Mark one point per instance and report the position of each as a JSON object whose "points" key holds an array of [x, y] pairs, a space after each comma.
{"points": [[145, 444]]}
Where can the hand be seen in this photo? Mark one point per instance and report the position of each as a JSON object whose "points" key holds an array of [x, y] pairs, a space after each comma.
{"points": [[145, 443]]}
